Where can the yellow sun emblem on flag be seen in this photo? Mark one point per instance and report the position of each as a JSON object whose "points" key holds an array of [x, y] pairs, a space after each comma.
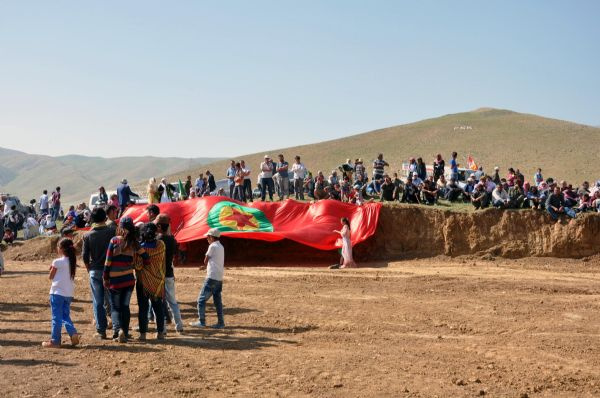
{"points": [[238, 219]]}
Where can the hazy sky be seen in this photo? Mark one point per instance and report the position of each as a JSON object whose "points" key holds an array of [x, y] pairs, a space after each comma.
{"points": [[221, 78]]}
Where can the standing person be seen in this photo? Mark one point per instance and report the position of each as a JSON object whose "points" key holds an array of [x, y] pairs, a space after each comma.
{"points": [[150, 284], [112, 212], [231, 177], [346, 261], [421, 169], [284, 178], [496, 178], [378, 167], [152, 191], [55, 202], [213, 284], [124, 193], [164, 234], [359, 170], [95, 245], [299, 174], [266, 178], [119, 275], [439, 166], [212, 185], [44, 203], [247, 181], [538, 178], [238, 181], [166, 191], [62, 275], [188, 186], [454, 167], [199, 185]]}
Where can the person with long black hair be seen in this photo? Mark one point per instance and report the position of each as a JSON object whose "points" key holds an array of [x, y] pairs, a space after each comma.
{"points": [[119, 275], [150, 284], [62, 275]]}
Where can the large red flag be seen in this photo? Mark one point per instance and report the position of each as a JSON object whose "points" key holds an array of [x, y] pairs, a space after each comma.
{"points": [[310, 224]]}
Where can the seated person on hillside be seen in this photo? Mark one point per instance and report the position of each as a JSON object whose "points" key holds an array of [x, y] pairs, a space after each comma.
{"points": [[388, 190], [356, 196], [374, 188], [441, 186], [9, 236], [30, 228], [480, 198], [416, 180], [334, 192], [399, 184], [533, 198], [347, 169], [595, 201], [469, 188], [585, 203], [500, 197], [544, 191], [570, 196], [429, 191], [333, 178], [453, 191], [516, 195], [320, 184], [555, 205], [411, 192], [345, 189], [583, 189]]}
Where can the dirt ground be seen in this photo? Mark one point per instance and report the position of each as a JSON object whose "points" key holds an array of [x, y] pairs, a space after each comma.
{"points": [[437, 327]]}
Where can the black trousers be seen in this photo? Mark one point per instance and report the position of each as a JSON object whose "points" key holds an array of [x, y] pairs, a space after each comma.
{"points": [[144, 301]]}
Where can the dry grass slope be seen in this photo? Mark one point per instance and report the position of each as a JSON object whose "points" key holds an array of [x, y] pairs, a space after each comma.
{"points": [[562, 149]]}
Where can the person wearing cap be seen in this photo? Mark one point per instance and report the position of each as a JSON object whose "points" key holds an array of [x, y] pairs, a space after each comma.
{"points": [[163, 222], [95, 245], [469, 188], [378, 167], [479, 197], [266, 178], [125, 193], [214, 260], [119, 275]]}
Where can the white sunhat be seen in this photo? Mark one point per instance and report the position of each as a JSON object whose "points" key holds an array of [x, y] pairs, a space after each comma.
{"points": [[214, 232]]}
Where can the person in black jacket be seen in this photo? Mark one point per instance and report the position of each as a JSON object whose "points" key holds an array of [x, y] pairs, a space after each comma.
{"points": [[211, 181], [95, 244], [555, 205]]}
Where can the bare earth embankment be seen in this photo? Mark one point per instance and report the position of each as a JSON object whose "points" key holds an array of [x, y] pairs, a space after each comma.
{"points": [[433, 327]]}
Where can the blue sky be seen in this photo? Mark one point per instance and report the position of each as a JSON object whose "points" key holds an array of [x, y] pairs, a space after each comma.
{"points": [[195, 78]]}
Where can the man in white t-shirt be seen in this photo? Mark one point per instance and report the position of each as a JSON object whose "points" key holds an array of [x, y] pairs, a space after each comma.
{"points": [[299, 174], [44, 203], [213, 284]]}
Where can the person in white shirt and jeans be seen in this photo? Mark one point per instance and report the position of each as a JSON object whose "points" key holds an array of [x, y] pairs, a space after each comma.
{"points": [[44, 203], [213, 284], [299, 174]]}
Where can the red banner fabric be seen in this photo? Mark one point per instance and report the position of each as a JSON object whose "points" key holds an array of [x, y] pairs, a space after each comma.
{"points": [[311, 224]]}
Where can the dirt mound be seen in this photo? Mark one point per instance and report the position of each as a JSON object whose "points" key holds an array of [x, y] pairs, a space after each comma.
{"points": [[409, 231], [39, 248]]}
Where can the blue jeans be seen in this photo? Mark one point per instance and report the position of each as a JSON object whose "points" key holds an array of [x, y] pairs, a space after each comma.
{"points": [[172, 302], [266, 183], [212, 288], [120, 313], [568, 211], [98, 297], [61, 309], [54, 212]]}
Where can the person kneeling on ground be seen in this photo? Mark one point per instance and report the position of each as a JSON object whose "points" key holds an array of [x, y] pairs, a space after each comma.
{"points": [[411, 192], [500, 197], [555, 205], [388, 190], [214, 261], [453, 190]]}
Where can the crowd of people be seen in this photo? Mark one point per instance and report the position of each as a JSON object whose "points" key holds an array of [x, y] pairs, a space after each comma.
{"points": [[121, 257]]}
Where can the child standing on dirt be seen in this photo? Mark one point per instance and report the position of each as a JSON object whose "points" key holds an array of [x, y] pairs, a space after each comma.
{"points": [[62, 275], [213, 284]]}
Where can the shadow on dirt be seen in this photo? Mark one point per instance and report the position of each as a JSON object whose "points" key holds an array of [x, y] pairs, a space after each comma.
{"points": [[221, 340], [32, 362], [193, 309]]}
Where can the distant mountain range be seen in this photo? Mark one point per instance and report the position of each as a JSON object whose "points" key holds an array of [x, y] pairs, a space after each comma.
{"points": [[494, 137], [26, 175]]}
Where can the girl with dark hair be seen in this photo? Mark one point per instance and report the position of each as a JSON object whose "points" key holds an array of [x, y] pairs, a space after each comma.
{"points": [[346, 261], [150, 283], [119, 277], [62, 275]]}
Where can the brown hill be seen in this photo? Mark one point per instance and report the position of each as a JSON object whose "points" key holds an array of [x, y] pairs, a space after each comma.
{"points": [[494, 137]]}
